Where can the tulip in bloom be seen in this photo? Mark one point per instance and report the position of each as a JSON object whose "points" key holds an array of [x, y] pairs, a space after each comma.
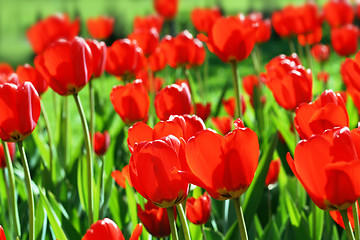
{"points": [[12, 149], [323, 76], [148, 22], [263, 26], [28, 73], [229, 105], [198, 210], [66, 65], [338, 13], [336, 216], [273, 173], [19, 111], [203, 110], [147, 39], [51, 29], [350, 72], [344, 39], [121, 177], [166, 8], [223, 124], [100, 27], [327, 165], [157, 60], [155, 219], [320, 52], [204, 18], [310, 38], [131, 101], [2, 233], [101, 142], [173, 100], [98, 51], [7, 74]]}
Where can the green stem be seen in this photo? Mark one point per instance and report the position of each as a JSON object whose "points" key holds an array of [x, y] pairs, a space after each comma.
{"points": [[12, 188], [152, 117], [314, 226], [191, 85], [240, 217], [102, 180], [269, 204], [29, 191], [291, 46], [92, 109], [183, 221], [203, 232], [355, 209], [201, 84], [236, 83], [89, 160], [50, 138], [349, 232], [170, 212]]}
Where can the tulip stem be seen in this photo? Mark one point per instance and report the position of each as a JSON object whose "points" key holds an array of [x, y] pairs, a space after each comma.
{"points": [[191, 85], [102, 179], [291, 46], [183, 221], [12, 195], [29, 191], [349, 232], [240, 217], [236, 82], [170, 212], [89, 160], [152, 113], [355, 209], [48, 129], [203, 231], [92, 110]]}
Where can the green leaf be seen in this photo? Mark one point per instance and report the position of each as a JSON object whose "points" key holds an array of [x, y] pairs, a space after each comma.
{"points": [[81, 180], [195, 231], [40, 219], [131, 201], [212, 235], [281, 121], [316, 230], [271, 232], [42, 148], [233, 232]]}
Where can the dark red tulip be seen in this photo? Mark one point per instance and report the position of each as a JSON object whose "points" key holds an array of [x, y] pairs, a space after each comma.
{"points": [[290, 83], [273, 173], [147, 39], [229, 105], [198, 210], [203, 110], [204, 18], [149, 22], [12, 149], [153, 173], [323, 76], [327, 167], [326, 112], [230, 161], [230, 39], [131, 101], [19, 111], [98, 51], [28, 73], [223, 124], [124, 59], [166, 8], [100, 27], [101, 142], [66, 65], [344, 40], [173, 100], [2, 233], [155, 219], [51, 29], [263, 26], [320, 52], [121, 177], [338, 13]]}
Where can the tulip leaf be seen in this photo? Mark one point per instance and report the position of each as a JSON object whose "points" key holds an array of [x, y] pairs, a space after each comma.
{"points": [[316, 229], [114, 206], [281, 121], [212, 235], [195, 231], [81, 180], [131, 201], [271, 232], [41, 147], [41, 220], [233, 232]]}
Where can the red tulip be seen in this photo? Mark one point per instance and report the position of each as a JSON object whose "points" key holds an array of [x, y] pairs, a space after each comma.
{"points": [[310, 38], [273, 173], [338, 13], [51, 29], [147, 39], [98, 51], [157, 60], [223, 124], [204, 18], [148, 22], [19, 111], [323, 76], [100, 27], [203, 110], [166, 8], [350, 72], [131, 101], [155, 219], [12, 149], [198, 210], [230, 162], [263, 26], [282, 21], [320, 52], [249, 83], [101, 142], [7, 74], [66, 65], [124, 58], [2, 233], [152, 174], [339, 220], [344, 39], [122, 176], [173, 100], [157, 81], [327, 167], [290, 83], [28, 73], [230, 39], [229, 105]]}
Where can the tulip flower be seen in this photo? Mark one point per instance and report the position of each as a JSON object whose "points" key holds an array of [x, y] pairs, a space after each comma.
{"points": [[100, 27], [336, 216], [273, 173], [124, 59], [107, 229], [98, 51], [2, 233], [323, 76], [148, 22], [344, 39], [101, 142], [147, 39], [19, 111], [166, 8], [51, 29], [155, 219], [121, 177], [204, 18], [229, 105], [290, 83], [282, 21], [327, 112], [28, 73], [66, 65], [12, 149], [198, 210], [338, 13], [173, 100], [350, 72], [5, 70], [203, 110], [152, 173], [320, 52], [157, 60], [263, 26], [310, 38], [327, 167], [249, 82], [223, 124]]}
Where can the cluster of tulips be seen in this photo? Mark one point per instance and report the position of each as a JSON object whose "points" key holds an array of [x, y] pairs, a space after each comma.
{"points": [[176, 162]]}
